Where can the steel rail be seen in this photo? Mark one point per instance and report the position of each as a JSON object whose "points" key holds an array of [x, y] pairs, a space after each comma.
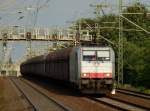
{"points": [[23, 94], [108, 104], [117, 106], [133, 93], [50, 98], [129, 103]]}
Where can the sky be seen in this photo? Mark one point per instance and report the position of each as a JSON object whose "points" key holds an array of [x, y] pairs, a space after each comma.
{"points": [[52, 13], [55, 12], [61, 12]]}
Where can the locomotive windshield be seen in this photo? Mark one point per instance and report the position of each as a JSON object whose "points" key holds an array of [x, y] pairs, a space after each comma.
{"points": [[96, 55], [89, 55], [103, 55]]}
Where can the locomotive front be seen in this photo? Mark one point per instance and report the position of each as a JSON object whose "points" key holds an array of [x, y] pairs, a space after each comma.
{"points": [[97, 71]]}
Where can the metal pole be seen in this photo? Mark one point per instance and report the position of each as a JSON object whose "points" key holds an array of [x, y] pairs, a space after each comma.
{"points": [[120, 44]]}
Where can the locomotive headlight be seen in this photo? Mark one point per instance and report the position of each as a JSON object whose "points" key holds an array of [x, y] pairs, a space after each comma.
{"points": [[84, 75], [107, 74]]}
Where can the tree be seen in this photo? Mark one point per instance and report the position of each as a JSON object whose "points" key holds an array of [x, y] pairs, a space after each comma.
{"points": [[139, 19], [136, 47]]}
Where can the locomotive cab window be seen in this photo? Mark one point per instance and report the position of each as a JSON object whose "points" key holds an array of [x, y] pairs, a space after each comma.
{"points": [[103, 55], [89, 55]]}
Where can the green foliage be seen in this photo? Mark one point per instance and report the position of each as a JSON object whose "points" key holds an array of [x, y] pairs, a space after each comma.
{"points": [[137, 48], [140, 19], [134, 64]]}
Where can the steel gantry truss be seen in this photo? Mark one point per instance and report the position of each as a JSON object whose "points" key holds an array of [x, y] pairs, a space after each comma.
{"points": [[44, 34], [38, 34]]}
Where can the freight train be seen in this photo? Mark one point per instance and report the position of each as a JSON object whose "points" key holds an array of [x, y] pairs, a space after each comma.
{"points": [[91, 69]]}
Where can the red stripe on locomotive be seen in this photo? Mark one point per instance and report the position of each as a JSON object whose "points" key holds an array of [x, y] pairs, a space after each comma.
{"points": [[96, 75]]}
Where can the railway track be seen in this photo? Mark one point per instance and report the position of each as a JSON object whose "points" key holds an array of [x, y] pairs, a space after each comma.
{"points": [[118, 102], [126, 100], [36, 98], [118, 105], [76, 101], [133, 93], [133, 98], [30, 105]]}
